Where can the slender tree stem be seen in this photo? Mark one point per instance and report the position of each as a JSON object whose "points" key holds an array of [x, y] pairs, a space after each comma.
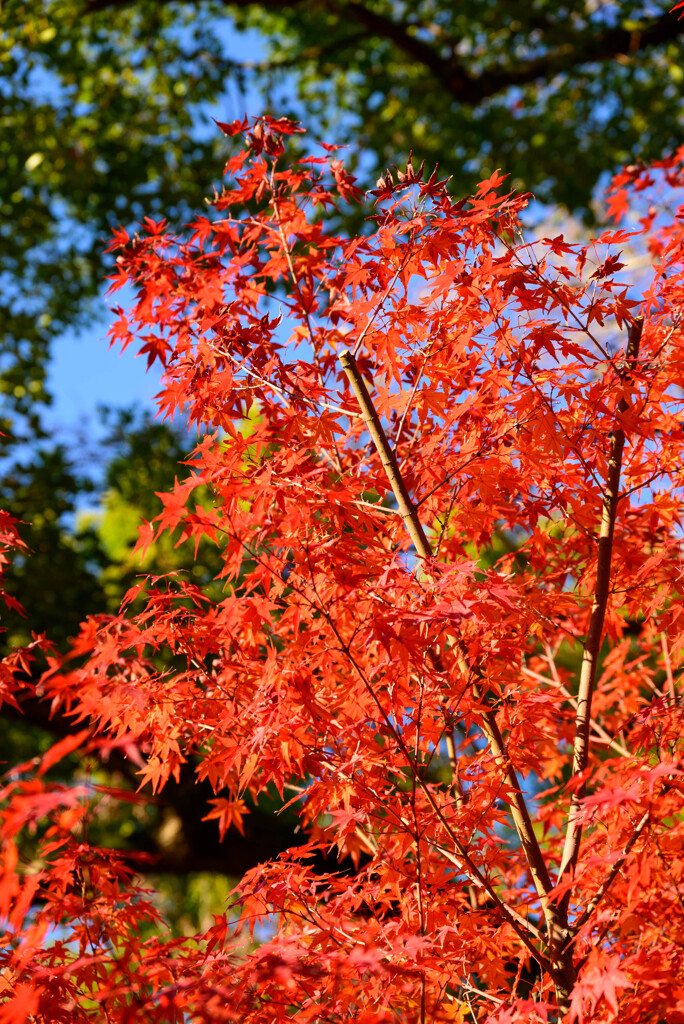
{"points": [[561, 955], [407, 509], [408, 512], [611, 876], [592, 647]]}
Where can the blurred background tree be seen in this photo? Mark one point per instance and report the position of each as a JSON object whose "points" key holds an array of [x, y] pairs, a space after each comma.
{"points": [[106, 112], [106, 103]]}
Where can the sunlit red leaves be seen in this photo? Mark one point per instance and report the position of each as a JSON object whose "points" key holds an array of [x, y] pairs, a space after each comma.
{"points": [[234, 127], [20, 1002], [601, 979], [326, 666], [617, 204]]}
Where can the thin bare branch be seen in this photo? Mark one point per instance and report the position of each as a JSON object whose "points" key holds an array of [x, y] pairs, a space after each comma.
{"points": [[601, 733], [610, 877], [668, 666]]}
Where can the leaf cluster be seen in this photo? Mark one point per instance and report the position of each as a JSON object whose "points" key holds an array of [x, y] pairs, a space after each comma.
{"points": [[352, 655]]}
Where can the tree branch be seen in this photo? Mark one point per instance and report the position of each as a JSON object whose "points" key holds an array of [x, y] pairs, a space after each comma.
{"points": [[602, 47], [407, 509], [462, 858], [592, 647], [610, 877], [576, 49], [519, 809]]}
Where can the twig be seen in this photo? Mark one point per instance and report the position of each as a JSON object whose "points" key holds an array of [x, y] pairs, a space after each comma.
{"points": [[610, 878], [461, 859], [412, 395], [462, 855], [668, 665], [388, 290], [601, 733], [457, 787]]}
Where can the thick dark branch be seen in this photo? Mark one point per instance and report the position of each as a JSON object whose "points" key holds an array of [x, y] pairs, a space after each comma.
{"points": [[446, 71], [586, 49], [579, 47], [352, 12]]}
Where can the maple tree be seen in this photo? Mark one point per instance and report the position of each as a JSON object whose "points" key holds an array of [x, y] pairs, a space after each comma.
{"points": [[446, 628]]}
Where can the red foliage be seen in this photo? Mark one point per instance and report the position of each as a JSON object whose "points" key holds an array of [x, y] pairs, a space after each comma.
{"points": [[406, 672]]}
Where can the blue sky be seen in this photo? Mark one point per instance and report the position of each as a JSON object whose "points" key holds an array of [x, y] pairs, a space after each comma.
{"points": [[84, 372]]}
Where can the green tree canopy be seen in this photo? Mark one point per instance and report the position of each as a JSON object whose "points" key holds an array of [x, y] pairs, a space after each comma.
{"points": [[101, 105], [81, 563]]}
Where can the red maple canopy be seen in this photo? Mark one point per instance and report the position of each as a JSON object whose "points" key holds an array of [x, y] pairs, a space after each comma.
{"points": [[444, 469]]}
